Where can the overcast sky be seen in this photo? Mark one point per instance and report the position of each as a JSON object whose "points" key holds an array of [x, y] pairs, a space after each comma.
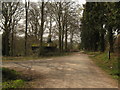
{"points": [[79, 1]]}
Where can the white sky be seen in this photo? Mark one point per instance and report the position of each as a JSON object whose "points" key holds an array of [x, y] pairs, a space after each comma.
{"points": [[79, 1]]}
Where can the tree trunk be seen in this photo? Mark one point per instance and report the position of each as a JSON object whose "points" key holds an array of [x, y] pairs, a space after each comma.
{"points": [[66, 38], [59, 15], [12, 37], [41, 29], [12, 43], [5, 44], [50, 32], [71, 40], [26, 8], [36, 29], [5, 37], [62, 42]]}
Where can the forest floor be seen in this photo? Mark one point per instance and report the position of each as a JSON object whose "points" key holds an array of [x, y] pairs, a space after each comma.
{"points": [[73, 71]]}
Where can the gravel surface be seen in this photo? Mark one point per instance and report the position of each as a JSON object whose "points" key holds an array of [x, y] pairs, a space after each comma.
{"points": [[72, 71]]}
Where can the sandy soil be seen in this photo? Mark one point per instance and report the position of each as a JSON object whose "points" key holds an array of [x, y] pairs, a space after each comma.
{"points": [[73, 71]]}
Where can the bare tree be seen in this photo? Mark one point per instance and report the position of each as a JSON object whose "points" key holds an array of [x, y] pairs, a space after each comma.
{"points": [[26, 10], [15, 19], [8, 10]]}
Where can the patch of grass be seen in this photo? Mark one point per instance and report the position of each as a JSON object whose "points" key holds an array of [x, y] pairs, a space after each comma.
{"points": [[110, 66], [93, 54], [21, 58], [13, 84], [55, 54], [44, 56], [11, 79], [8, 74]]}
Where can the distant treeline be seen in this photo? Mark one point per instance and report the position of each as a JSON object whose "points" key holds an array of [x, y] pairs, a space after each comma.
{"points": [[60, 21]]}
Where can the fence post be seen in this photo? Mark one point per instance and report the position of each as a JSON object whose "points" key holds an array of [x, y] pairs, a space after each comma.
{"points": [[109, 54]]}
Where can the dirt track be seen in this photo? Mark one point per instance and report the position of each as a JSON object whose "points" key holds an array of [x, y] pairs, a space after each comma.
{"points": [[74, 71]]}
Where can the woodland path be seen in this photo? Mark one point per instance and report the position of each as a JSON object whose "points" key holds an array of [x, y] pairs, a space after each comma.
{"points": [[73, 71]]}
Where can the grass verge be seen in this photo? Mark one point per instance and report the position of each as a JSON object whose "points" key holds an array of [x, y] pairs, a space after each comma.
{"points": [[108, 65], [48, 55], [11, 79], [21, 58]]}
